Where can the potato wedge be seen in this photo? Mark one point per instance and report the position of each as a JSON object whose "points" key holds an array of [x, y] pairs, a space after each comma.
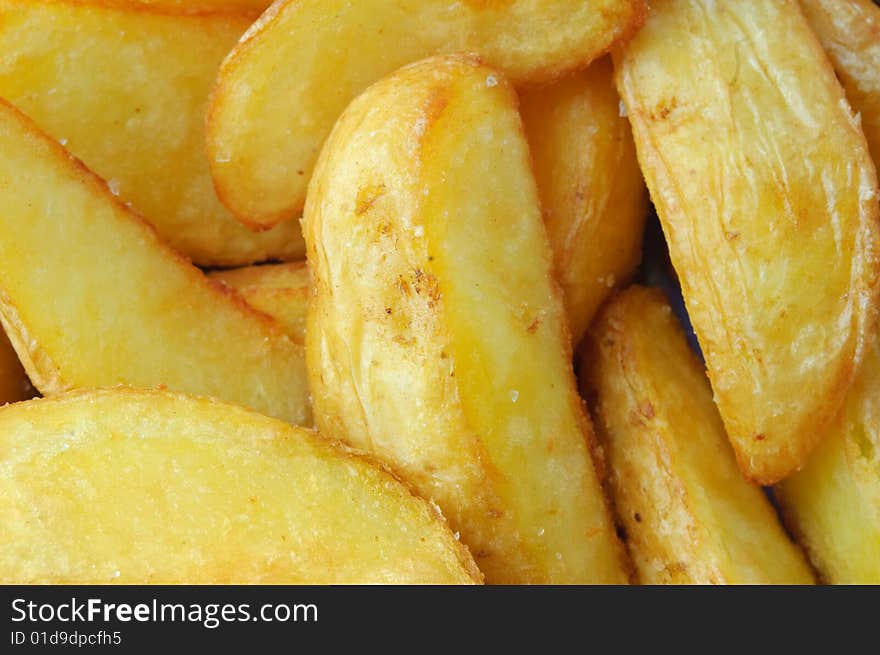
{"points": [[282, 88], [592, 192], [849, 30], [689, 515], [201, 492], [279, 290], [201, 7], [833, 504], [768, 199], [126, 90], [436, 337], [14, 385], [90, 296]]}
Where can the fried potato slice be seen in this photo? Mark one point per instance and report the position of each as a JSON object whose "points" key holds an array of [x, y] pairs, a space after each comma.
{"points": [[282, 88], [14, 385], [768, 199], [126, 91], [833, 504], [90, 296], [280, 290], [592, 192], [144, 487], [436, 337], [254, 7], [689, 514], [849, 30]]}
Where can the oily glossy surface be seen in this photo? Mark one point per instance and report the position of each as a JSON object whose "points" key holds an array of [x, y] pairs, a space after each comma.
{"points": [[280, 290], [125, 90], [768, 200], [833, 504], [436, 337], [849, 31], [138, 487], [283, 87], [689, 514], [90, 296], [592, 193]]}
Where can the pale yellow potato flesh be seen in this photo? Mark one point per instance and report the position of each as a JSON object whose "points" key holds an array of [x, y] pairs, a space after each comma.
{"points": [[436, 336], [90, 296], [593, 196], [280, 290], [689, 515], [768, 199], [833, 504], [849, 31], [14, 385], [282, 88], [126, 90], [126, 486]]}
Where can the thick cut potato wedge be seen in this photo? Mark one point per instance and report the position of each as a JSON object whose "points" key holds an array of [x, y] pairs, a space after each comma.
{"points": [[768, 199], [90, 296], [125, 90], [280, 290], [849, 30], [833, 504], [689, 515], [592, 192], [253, 7], [282, 88], [436, 337], [143, 487], [14, 385]]}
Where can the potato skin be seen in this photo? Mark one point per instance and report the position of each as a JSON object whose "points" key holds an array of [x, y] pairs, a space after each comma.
{"points": [[433, 300], [849, 31], [266, 126], [689, 515], [126, 89], [90, 296], [768, 200], [593, 196], [202, 492], [280, 290], [833, 503]]}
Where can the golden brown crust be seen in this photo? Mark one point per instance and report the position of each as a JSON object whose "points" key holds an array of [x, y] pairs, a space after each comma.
{"points": [[166, 420], [774, 242]]}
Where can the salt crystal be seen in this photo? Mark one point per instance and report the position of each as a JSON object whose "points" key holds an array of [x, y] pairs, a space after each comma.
{"points": [[419, 231], [491, 81], [514, 395], [621, 109], [113, 185]]}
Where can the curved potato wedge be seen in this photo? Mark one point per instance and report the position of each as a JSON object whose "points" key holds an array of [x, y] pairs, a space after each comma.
{"points": [[436, 337], [833, 504], [768, 199], [849, 31], [90, 296], [144, 487], [592, 192], [689, 515], [282, 88], [280, 290], [200, 7], [14, 385], [125, 90]]}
